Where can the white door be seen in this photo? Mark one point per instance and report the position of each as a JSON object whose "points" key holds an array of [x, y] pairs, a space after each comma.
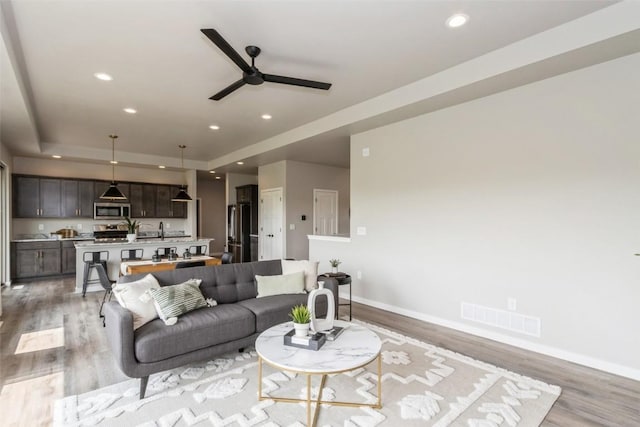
{"points": [[325, 212], [271, 220]]}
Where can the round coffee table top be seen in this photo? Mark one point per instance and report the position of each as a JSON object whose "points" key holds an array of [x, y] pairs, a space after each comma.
{"points": [[356, 346]]}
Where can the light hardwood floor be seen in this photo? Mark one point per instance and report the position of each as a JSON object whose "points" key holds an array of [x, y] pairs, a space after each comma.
{"points": [[31, 380]]}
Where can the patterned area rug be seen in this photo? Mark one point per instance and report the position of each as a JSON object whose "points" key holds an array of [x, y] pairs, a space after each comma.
{"points": [[421, 385]]}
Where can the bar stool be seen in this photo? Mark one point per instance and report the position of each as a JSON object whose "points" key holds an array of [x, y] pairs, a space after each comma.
{"points": [[131, 254], [198, 250], [226, 258], [164, 252], [91, 259]]}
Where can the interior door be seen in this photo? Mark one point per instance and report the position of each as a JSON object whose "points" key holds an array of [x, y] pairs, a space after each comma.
{"points": [[271, 224], [325, 212]]}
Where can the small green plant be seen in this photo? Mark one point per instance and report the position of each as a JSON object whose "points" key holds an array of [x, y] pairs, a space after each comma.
{"points": [[132, 225], [300, 314], [335, 262]]}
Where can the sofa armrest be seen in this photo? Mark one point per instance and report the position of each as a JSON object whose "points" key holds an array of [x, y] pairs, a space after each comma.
{"points": [[120, 335], [332, 284]]}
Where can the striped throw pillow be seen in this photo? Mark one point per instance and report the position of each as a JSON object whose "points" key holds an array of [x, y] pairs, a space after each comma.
{"points": [[172, 301]]}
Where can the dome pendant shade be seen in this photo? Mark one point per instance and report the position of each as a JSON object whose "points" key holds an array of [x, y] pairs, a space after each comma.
{"points": [[182, 195], [113, 193]]}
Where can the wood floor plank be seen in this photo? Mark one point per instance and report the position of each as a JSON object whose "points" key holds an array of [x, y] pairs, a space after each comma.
{"points": [[589, 397]]}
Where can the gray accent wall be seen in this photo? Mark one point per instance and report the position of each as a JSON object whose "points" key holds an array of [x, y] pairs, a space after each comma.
{"points": [[532, 194]]}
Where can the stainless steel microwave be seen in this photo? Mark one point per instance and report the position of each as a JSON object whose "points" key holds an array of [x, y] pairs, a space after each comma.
{"points": [[105, 210]]}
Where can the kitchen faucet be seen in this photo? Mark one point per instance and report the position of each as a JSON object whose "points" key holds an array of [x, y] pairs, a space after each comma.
{"points": [[161, 231]]}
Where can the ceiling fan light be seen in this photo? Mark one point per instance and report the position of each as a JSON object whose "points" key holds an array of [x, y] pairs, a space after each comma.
{"points": [[113, 193], [182, 195]]}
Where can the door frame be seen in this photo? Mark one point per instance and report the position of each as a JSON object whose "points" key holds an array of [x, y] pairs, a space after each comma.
{"points": [[315, 201]]}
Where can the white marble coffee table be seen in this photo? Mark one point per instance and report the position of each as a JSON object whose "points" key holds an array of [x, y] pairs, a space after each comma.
{"points": [[356, 347]]}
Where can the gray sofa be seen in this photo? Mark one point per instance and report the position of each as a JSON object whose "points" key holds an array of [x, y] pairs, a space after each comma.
{"points": [[232, 325]]}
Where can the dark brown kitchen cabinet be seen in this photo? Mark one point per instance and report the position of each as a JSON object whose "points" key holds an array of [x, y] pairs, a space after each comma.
{"points": [[165, 208], [143, 200], [68, 253], [35, 197], [35, 259], [77, 198]]}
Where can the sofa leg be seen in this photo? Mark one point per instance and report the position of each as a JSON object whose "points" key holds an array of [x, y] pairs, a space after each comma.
{"points": [[241, 350], [143, 386]]}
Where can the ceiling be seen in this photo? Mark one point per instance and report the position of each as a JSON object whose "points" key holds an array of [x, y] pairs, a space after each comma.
{"points": [[165, 68]]}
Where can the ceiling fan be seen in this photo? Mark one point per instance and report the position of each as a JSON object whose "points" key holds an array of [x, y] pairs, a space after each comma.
{"points": [[250, 73]]}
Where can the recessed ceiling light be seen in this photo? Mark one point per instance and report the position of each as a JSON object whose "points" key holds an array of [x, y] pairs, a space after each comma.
{"points": [[162, 166], [113, 162], [240, 163], [103, 76], [212, 171], [56, 156], [217, 177], [266, 116], [457, 20], [130, 110], [214, 127]]}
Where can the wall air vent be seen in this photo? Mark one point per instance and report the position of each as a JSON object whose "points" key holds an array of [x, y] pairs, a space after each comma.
{"points": [[502, 319]]}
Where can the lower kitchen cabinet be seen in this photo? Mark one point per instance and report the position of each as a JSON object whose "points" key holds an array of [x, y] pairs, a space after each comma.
{"points": [[35, 259], [68, 252]]}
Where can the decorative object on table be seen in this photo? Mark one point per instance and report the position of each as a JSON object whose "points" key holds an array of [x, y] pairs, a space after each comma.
{"points": [[326, 324], [182, 195], [132, 229], [301, 320], [172, 255], [334, 265], [155, 257], [113, 193], [309, 342], [186, 254], [464, 388]]}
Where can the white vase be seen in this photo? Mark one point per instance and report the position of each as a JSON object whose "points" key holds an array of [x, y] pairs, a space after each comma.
{"points": [[334, 270], [326, 324], [302, 329], [131, 237]]}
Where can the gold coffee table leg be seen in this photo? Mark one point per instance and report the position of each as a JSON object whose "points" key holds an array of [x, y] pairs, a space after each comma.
{"points": [[308, 400], [259, 378]]}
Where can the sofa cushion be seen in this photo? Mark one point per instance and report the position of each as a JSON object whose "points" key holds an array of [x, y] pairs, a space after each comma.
{"points": [[197, 329], [129, 296], [310, 269], [280, 284], [272, 310], [173, 301]]}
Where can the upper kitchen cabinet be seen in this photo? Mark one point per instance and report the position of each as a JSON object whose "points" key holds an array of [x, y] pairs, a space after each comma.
{"points": [[165, 208], [143, 200], [77, 198], [35, 197]]}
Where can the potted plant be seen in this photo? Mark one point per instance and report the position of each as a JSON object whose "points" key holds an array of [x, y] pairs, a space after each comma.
{"points": [[301, 317], [132, 229], [334, 265]]}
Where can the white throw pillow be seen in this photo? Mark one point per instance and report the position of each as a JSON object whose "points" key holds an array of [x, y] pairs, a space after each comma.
{"points": [[128, 295], [278, 285], [310, 269]]}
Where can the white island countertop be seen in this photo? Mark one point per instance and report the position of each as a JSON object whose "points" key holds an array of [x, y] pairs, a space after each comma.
{"points": [[141, 242]]}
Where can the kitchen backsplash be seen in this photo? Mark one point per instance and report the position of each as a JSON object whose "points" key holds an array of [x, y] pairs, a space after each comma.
{"points": [[21, 227]]}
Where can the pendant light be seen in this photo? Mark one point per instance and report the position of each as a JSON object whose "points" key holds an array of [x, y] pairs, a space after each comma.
{"points": [[113, 193], [182, 195]]}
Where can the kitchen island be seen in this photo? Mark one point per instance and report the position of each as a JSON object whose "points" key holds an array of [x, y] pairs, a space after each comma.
{"points": [[114, 248]]}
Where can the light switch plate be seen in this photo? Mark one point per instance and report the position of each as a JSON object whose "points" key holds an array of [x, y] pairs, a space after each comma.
{"points": [[292, 226], [40, 227], [361, 231], [365, 152]]}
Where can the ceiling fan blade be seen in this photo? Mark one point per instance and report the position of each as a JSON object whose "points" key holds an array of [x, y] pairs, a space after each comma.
{"points": [[227, 90], [225, 47], [296, 82]]}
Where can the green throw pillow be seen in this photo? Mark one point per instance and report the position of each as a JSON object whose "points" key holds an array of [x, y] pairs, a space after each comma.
{"points": [[172, 301]]}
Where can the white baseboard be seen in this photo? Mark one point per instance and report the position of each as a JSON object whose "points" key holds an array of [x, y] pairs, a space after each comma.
{"points": [[581, 359]]}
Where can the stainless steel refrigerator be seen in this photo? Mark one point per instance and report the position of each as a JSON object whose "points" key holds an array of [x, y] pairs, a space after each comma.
{"points": [[239, 229]]}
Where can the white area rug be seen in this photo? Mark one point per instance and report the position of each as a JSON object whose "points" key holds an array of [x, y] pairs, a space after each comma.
{"points": [[421, 385]]}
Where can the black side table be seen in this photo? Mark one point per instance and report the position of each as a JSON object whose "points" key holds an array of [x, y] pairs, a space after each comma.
{"points": [[343, 279]]}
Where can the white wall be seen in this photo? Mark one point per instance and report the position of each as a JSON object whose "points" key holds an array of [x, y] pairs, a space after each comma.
{"points": [[301, 180], [5, 218], [531, 193]]}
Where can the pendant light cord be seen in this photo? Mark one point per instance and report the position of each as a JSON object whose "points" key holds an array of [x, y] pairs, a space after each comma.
{"points": [[113, 157]]}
